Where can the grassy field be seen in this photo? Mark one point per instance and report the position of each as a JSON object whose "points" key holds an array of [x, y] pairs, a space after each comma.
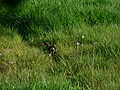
{"points": [[92, 65]]}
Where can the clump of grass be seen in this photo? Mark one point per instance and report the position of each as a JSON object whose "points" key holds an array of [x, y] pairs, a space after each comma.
{"points": [[84, 67], [93, 64], [51, 15]]}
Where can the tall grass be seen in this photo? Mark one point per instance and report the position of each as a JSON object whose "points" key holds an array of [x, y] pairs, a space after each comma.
{"points": [[94, 64]]}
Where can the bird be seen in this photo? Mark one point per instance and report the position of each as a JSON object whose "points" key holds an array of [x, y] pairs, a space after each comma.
{"points": [[50, 48]]}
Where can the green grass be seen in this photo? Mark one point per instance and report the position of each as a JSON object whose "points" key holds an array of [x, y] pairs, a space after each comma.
{"points": [[24, 64]]}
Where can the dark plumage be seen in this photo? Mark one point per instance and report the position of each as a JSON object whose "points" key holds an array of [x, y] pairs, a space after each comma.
{"points": [[50, 48]]}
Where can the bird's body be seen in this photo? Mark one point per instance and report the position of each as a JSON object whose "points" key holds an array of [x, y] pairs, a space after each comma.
{"points": [[50, 48]]}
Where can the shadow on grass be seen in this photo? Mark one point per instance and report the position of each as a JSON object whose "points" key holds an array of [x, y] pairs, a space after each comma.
{"points": [[9, 19], [11, 3], [22, 25]]}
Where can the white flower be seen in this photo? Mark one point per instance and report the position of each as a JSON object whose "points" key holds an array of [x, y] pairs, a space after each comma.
{"points": [[83, 36], [78, 43]]}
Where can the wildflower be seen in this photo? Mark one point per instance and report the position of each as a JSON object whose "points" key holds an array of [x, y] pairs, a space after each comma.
{"points": [[78, 43], [83, 36]]}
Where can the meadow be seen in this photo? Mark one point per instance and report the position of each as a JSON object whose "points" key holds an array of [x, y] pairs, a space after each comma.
{"points": [[84, 32]]}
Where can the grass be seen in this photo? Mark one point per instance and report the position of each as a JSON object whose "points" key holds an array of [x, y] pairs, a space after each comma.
{"points": [[24, 64]]}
